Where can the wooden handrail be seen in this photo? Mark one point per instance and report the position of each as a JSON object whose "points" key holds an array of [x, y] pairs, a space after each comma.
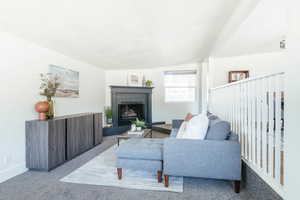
{"points": [[247, 80]]}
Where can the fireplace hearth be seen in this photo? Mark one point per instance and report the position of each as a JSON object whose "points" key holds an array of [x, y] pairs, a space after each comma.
{"points": [[129, 103]]}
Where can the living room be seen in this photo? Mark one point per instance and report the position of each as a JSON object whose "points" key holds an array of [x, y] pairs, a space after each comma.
{"points": [[174, 61]]}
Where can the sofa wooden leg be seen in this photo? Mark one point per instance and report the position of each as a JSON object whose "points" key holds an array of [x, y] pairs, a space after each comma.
{"points": [[119, 170], [237, 186], [159, 176], [166, 180]]}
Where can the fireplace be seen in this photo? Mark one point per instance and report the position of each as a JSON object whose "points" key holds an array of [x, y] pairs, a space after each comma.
{"points": [[129, 103], [130, 112]]}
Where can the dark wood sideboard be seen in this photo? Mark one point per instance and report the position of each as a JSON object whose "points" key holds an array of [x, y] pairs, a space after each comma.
{"points": [[51, 143]]}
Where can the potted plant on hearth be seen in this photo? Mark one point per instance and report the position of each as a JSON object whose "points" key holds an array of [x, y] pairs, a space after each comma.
{"points": [[48, 88], [108, 114]]}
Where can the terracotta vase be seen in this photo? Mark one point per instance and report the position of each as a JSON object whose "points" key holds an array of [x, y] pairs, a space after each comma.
{"points": [[42, 107]]}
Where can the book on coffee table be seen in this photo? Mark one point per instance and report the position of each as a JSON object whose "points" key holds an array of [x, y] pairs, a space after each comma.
{"points": [[135, 132]]}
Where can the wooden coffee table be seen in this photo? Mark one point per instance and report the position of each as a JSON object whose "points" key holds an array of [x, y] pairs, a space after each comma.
{"points": [[163, 128], [126, 136]]}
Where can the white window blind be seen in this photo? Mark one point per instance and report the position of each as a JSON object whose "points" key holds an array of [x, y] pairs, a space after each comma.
{"points": [[180, 86]]}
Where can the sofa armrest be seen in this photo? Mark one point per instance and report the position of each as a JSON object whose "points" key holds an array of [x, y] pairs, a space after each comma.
{"points": [[202, 158], [176, 123]]}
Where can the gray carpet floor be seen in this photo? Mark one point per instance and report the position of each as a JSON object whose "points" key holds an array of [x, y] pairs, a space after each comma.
{"points": [[34, 185]]}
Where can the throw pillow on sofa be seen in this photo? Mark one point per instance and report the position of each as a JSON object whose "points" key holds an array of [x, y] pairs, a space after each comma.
{"points": [[182, 129], [218, 130], [198, 126], [195, 128]]}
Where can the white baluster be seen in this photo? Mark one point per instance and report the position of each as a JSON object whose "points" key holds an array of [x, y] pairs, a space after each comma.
{"points": [[277, 127], [271, 127], [264, 124], [259, 122]]}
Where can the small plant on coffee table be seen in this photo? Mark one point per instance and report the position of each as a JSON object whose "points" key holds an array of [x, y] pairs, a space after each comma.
{"points": [[139, 123]]}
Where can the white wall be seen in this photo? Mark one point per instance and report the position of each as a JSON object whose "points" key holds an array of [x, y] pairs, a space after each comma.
{"points": [[20, 65], [292, 142], [205, 85], [161, 110], [257, 64]]}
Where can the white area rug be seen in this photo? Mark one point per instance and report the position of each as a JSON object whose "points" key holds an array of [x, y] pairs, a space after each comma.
{"points": [[102, 171]]}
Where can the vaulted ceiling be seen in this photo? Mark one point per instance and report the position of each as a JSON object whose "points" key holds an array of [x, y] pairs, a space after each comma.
{"points": [[116, 34], [259, 32]]}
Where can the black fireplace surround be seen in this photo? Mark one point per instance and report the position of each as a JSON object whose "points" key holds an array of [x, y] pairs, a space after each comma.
{"points": [[129, 103]]}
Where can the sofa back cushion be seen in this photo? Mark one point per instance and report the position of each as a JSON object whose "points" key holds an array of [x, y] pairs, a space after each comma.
{"points": [[218, 130], [212, 117], [233, 137]]}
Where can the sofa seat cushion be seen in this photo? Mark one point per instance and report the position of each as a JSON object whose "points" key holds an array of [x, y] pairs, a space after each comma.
{"points": [[141, 148], [218, 130]]}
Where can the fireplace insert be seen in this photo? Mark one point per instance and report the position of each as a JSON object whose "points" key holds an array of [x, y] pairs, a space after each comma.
{"points": [[129, 112]]}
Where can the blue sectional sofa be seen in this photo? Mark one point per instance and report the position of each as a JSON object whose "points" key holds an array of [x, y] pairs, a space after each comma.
{"points": [[216, 157]]}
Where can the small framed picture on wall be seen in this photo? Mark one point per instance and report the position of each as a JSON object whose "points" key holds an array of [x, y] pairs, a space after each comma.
{"points": [[134, 79], [234, 76]]}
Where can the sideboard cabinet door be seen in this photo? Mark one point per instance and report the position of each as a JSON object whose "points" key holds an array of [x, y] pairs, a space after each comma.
{"points": [[79, 135], [98, 128], [57, 143]]}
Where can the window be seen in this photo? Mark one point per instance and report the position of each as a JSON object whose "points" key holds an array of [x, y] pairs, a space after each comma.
{"points": [[180, 86]]}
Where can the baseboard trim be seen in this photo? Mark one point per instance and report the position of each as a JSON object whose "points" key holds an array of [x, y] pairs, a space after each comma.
{"points": [[11, 172]]}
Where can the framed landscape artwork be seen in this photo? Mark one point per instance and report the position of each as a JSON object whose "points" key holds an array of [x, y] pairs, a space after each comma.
{"points": [[134, 79], [234, 76], [69, 81]]}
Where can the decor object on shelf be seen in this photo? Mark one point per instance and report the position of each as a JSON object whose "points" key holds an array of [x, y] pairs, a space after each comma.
{"points": [[69, 81], [283, 44], [48, 88], [234, 76], [50, 113], [108, 114], [134, 79], [42, 107], [149, 83], [144, 81], [133, 127]]}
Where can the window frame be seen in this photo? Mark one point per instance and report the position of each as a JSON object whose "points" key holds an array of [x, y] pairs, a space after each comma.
{"points": [[181, 72]]}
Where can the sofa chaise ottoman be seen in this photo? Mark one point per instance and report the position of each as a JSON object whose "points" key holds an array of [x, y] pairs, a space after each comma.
{"points": [[140, 154]]}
